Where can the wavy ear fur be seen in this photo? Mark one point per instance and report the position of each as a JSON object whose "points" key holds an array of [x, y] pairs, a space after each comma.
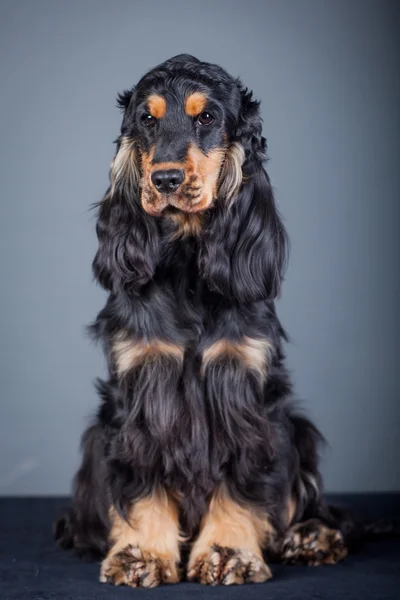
{"points": [[128, 238], [244, 245]]}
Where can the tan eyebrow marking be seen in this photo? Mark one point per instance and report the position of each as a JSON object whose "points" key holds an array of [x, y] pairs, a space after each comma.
{"points": [[157, 106], [195, 104]]}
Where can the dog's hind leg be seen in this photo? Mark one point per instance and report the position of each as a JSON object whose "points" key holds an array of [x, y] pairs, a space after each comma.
{"points": [[85, 525], [313, 543], [313, 535]]}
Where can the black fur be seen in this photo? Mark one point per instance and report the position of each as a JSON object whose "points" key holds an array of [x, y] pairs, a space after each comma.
{"points": [[164, 423]]}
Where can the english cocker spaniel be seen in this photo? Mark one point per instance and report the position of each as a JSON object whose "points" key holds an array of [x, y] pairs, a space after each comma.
{"points": [[197, 443]]}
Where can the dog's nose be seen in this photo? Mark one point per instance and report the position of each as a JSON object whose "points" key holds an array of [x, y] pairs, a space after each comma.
{"points": [[168, 180]]}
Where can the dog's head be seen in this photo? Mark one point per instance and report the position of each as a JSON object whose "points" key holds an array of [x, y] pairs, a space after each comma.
{"points": [[179, 126], [191, 143]]}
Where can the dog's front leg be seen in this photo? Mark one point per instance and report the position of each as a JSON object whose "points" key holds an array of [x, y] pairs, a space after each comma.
{"points": [[228, 548], [144, 547], [144, 403], [235, 363]]}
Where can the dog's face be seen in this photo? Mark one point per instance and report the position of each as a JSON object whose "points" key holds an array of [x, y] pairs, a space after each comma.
{"points": [[180, 120], [190, 163], [182, 138]]}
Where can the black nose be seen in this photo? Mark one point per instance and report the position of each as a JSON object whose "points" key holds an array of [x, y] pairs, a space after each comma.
{"points": [[167, 181]]}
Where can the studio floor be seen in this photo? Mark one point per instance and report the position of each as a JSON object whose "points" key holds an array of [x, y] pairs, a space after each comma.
{"points": [[31, 567]]}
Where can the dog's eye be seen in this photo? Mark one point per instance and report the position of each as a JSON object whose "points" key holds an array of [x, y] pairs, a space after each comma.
{"points": [[148, 120], [205, 118]]}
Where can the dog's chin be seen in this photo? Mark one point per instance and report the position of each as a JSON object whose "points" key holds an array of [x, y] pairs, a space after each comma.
{"points": [[180, 206], [172, 210]]}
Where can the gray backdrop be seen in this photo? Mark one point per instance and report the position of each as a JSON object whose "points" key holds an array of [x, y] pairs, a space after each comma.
{"points": [[327, 73]]}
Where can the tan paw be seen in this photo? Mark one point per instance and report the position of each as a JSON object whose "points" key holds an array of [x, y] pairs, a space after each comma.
{"points": [[228, 566], [312, 543], [138, 568]]}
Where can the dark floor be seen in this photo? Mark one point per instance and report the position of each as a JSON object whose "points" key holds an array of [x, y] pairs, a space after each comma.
{"points": [[31, 567]]}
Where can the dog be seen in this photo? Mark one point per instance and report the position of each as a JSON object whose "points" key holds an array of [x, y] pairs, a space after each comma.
{"points": [[198, 464]]}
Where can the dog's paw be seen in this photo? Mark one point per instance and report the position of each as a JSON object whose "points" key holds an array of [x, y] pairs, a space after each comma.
{"points": [[227, 566], [312, 543], [138, 568]]}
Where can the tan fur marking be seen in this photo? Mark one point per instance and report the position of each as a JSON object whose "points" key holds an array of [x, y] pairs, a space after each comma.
{"points": [[153, 528], [253, 353], [195, 104], [206, 169], [157, 106], [229, 525], [129, 353], [187, 224]]}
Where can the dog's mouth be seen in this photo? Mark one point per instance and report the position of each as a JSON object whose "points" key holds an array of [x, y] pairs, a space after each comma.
{"points": [[157, 204]]}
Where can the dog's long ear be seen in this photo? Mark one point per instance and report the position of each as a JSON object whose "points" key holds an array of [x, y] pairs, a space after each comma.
{"points": [[128, 237], [244, 245]]}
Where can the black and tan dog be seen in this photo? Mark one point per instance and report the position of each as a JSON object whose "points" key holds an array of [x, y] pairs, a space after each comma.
{"points": [[197, 437]]}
